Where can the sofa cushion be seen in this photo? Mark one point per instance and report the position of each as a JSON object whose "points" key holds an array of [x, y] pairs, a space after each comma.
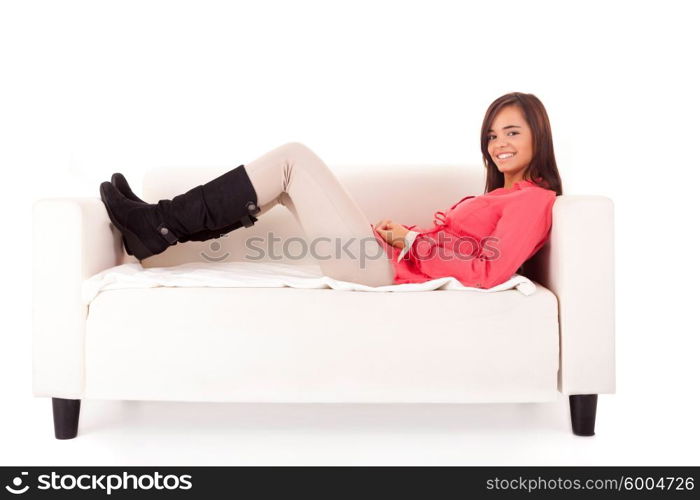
{"points": [[321, 345]]}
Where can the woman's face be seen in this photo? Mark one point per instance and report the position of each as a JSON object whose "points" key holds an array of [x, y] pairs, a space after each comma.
{"points": [[510, 133]]}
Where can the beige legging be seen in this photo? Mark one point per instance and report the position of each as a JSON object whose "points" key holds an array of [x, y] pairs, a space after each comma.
{"points": [[294, 176]]}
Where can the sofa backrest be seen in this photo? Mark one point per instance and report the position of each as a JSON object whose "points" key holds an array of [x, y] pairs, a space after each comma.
{"points": [[408, 194]]}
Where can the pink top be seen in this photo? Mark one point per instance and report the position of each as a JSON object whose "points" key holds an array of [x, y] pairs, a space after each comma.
{"points": [[481, 240]]}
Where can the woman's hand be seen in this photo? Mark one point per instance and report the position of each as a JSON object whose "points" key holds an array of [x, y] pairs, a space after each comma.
{"points": [[392, 232]]}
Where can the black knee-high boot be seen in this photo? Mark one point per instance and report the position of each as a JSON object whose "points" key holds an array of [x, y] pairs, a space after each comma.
{"points": [[122, 185], [149, 229]]}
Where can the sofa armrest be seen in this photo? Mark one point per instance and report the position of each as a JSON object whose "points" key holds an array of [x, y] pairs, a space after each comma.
{"points": [[577, 265], [72, 240]]}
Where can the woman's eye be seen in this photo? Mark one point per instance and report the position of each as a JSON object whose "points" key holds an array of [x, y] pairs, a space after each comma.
{"points": [[489, 137]]}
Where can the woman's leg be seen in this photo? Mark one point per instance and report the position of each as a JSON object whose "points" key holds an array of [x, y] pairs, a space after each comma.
{"points": [[337, 230]]}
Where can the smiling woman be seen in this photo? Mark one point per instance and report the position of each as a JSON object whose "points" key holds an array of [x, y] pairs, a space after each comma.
{"points": [[514, 216], [510, 145], [510, 222], [518, 124]]}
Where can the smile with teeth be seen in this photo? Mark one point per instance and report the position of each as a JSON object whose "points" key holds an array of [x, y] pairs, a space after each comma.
{"points": [[504, 156]]}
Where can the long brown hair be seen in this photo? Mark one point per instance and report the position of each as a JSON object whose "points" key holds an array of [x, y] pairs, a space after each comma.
{"points": [[543, 163]]}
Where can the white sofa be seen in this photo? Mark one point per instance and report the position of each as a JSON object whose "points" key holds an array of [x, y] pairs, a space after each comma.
{"points": [[322, 345]]}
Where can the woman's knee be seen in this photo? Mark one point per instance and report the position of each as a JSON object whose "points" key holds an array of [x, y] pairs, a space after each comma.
{"points": [[301, 156], [295, 149]]}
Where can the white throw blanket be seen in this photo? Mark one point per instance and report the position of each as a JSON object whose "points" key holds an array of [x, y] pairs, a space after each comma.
{"points": [[261, 274]]}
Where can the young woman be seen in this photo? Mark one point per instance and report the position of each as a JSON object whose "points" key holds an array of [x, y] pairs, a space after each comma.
{"points": [[481, 240]]}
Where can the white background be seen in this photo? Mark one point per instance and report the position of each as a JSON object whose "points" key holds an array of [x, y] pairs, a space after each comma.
{"points": [[90, 88]]}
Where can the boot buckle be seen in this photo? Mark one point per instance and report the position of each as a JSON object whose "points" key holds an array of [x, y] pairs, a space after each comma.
{"points": [[247, 220], [252, 207], [167, 234]]}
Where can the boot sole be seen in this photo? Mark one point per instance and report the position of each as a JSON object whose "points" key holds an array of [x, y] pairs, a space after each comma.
{"points": [[132, 244]]}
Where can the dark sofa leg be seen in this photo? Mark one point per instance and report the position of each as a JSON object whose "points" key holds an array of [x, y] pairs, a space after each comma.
{"points": [[583, 408], [66, 413]]}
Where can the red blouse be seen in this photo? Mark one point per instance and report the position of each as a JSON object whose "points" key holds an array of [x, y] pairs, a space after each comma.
{"points": [[481, 240]]}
